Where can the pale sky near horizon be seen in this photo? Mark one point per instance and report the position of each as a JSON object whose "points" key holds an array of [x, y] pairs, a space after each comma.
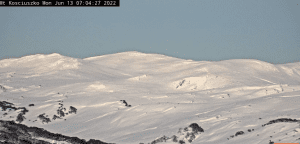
{"points": [[267, 30]]}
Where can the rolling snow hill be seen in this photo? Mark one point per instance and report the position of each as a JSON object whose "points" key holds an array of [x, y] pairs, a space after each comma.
{"points": [[133, 98]]}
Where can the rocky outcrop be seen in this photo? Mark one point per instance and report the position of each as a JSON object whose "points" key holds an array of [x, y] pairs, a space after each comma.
{"points": [[72, 110], [7, 105], [239, 133], [61, 113], [196, 128], [43, 118], [125, 103], [4, 105], [162, 139], [55, 117], [281, 120], [185, 135], [20, 118], [13, 133]]}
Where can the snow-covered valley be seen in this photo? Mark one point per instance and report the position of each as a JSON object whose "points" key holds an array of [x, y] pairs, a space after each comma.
{"points": [[133, 98]]}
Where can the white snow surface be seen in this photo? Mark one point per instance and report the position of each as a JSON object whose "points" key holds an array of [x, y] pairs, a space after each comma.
{"points": [[165, 94]]}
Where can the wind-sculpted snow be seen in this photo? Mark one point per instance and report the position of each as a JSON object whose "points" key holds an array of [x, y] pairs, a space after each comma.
{"points": [[133, 97], [42, 63], [201, 83]]}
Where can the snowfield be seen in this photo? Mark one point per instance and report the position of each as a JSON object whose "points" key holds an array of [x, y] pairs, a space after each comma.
{"points": [[133, 98]]}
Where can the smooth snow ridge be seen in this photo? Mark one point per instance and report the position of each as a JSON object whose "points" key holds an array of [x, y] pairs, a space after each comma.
{"points": [[133, 98]]}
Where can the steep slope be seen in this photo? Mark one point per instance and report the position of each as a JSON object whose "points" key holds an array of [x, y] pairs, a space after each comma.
{"points": [[133, 97]]}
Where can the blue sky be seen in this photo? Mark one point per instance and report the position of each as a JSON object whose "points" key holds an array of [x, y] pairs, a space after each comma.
{"points": [[267, 30]]}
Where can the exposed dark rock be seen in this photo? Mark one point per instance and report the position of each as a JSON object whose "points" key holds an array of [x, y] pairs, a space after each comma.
{"points": [[92, 141], [189, 135], [180, 83], [192, 137], [10, 106], [55, 117], [24, 110], [249, 130], [7, 105], [185, 129], [72, 110], [196, 128], [162, 139], [271, 142], [126, 104], [13, 133], [20, 118], [281, 120], [43, 118], [239, 133], [60, 113], [31, 105]]}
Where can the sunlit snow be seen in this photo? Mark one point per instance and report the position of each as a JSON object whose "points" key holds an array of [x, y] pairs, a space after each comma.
{"points": [[162, 94]]}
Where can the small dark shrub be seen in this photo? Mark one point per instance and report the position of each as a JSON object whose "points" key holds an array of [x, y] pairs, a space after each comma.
{"points": [[196, 128], [239, 133]]}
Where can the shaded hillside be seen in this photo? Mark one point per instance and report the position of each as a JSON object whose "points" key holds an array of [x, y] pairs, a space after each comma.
{"points": [[13, 133]]}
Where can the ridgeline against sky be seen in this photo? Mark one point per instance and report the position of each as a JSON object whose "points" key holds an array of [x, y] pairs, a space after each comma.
{"points": [[196, 29]]}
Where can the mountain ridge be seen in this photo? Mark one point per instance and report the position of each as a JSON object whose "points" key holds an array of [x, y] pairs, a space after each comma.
{"points": [[162, 94]]}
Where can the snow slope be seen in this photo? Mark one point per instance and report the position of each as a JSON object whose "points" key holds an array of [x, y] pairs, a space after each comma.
{"points": [[164, 94]]}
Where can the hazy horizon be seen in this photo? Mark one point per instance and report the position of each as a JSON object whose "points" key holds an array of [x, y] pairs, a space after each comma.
{"points": [[198, 30], [141, 52]]}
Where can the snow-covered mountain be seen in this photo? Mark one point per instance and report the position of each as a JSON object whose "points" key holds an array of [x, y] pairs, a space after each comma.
{"points": [[133, 98]]}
